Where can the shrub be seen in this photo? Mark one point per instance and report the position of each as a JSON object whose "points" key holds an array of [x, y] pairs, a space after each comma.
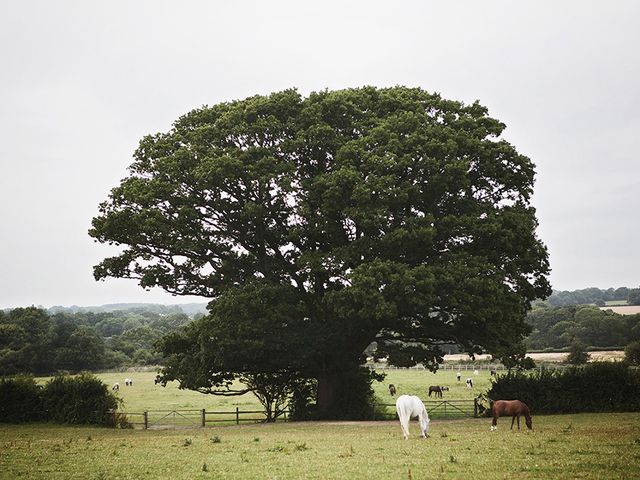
{"points": [[632, 353], [578, 354], [20, 400], [79, 400], [595, 387]]}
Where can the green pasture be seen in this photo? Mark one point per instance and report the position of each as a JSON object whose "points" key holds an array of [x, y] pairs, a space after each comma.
{"points": [[145, 395], [587, 446]]}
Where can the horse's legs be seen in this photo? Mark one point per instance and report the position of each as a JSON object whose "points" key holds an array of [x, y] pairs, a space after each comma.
{"points": [[513, 419], [518, 422], [405, 429], [494, 422]]}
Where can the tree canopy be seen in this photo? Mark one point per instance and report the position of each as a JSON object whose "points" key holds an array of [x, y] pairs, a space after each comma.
{"points": [[387, 215]]}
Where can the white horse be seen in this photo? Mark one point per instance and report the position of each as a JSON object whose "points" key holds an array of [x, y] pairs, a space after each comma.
{"points": [[409, 406]]}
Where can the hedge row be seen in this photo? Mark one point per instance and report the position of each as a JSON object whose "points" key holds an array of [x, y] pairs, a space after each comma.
{"points": [[594, 387], [82, 399]]}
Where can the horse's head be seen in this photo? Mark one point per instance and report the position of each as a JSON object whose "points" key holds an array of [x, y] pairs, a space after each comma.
{"points": [[529, 422], [424, 424]]}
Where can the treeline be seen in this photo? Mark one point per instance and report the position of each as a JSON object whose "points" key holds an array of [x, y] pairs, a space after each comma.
{"points": [[37, 342], [595, 296], [557, 327]]}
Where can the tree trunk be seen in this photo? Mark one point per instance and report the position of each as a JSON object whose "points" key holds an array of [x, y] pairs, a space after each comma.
{"points": [[326, 394]]}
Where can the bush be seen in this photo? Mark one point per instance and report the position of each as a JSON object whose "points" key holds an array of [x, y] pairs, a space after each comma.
{"points": [[632, 353], [578, 354], [20, 400], [595, 387], [79, 400]]}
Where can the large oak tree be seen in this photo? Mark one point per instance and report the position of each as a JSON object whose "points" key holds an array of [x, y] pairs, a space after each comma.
{"points": [[389, 215]]}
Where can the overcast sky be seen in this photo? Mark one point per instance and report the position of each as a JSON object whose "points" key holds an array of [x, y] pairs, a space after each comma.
{"points": [[82, 82]]}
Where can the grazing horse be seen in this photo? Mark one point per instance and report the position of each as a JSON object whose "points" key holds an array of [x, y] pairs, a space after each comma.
{"points": [[435, 389], [514, 408], [392, 389], [409, 406]]}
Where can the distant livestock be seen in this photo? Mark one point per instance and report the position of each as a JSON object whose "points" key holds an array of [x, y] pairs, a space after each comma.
{"points": [[392, 389], [128, 382], [408, 407], [469, 382], [476, 372], [513, 408], [493, 372], [116, 386], [437, 390], [458, 375]]}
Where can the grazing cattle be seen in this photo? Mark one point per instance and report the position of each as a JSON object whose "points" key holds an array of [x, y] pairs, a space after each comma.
{"points": [[458, 375], [435, 389], [514, 408], [392, 389], [128, 382], [116, 386], [445, 389], [408, 407], [157, 380], [469, 382]]}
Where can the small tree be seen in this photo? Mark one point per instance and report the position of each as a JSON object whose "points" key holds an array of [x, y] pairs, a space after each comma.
{"points": [[578, 354], [632, 353]]}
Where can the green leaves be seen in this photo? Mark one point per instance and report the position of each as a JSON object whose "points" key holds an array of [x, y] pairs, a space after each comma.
{"points": [[377, 214]]}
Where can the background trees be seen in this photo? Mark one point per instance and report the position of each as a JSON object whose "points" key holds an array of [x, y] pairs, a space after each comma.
{"points": [[555, 327], [34, 341], [384, 214]]}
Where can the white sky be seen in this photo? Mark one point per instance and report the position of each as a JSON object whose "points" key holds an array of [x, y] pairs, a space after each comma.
{"points": [[81, 82]]}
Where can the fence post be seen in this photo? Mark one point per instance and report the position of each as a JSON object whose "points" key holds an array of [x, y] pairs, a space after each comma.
{"points": [[237, 415], [202, 418], [145, 417], [475, 407]]}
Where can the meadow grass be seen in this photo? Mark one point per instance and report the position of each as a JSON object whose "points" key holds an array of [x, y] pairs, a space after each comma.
{"points": [[145, 395], [592, 446]]}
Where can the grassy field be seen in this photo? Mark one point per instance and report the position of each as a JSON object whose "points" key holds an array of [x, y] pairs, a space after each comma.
{"points": [[145, 395], [588, 446]]}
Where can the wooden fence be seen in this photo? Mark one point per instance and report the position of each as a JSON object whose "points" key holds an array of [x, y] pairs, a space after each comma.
{"points": [[162, 419]]}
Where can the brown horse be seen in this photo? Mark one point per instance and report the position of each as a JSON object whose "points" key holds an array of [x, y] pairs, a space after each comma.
{"points": [[435, 389], [513, 408]]}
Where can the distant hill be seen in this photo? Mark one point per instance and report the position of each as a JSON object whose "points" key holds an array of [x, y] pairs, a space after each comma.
{"points": [[595, 296], [190, 309]]}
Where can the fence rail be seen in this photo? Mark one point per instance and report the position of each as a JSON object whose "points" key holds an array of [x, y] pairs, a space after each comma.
{"points": [[162, 419]]}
